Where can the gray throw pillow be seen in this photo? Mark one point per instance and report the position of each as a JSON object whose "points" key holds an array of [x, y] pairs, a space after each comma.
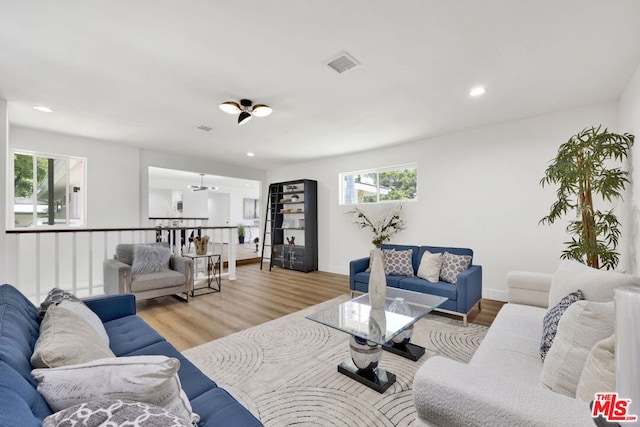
{"points": [[150, 259], [397, 263], [452, 265], [115, 413], [551, 319], [55, 297]]}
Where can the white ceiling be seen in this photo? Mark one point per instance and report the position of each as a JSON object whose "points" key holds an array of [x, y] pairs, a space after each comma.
{"points": [[148, 72]]}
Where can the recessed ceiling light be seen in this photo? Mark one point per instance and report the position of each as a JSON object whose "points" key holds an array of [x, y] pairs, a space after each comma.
{"points": [[250, 154], [477, 91], [42, 108]]}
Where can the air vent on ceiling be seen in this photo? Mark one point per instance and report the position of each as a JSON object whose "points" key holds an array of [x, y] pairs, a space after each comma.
{"points": [[205, 128], [343, 62]]}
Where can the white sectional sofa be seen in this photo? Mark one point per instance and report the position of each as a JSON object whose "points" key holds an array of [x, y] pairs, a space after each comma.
{"points": [[501, 386]]}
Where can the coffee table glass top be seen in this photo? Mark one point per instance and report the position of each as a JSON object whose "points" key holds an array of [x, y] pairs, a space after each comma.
{"points": [[356, 317]]}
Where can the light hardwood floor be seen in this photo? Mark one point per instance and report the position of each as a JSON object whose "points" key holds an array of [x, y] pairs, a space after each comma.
{"points": [[257, 296]]}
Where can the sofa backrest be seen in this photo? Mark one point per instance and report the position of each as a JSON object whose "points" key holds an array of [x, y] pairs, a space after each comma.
{"points": [[19, 329], [124, 251], [443, 249]]}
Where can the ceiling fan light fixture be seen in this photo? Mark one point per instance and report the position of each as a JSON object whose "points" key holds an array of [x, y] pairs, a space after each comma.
{"points": [[230, 107], [261, 110], [244, 117]]}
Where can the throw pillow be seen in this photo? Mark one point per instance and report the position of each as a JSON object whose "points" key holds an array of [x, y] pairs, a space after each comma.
{"points": [[114, 413], [582, 325], [452, 265], [430, 265], [54, 297], [397, 263], [66, 339], [150, 259], [596, 285], [599, 372], [149, 379], [551, 319], [88, 316]]}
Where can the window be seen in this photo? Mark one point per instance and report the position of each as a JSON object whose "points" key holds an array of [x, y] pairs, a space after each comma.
{"points": [[379, 185], [48, 190]]}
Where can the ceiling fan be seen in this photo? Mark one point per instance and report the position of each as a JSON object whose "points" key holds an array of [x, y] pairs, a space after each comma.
{"points": [[201, 187], [246, 110]]}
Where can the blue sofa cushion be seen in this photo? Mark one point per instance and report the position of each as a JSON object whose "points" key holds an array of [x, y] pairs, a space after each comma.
{"points": [[18, 335], [363, 277], [15, 410], [442, 289], [216, 407], [12, 380], [194, 382], [130, 333]]}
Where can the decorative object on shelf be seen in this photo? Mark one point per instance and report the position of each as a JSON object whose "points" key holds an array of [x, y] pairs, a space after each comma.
{"points": [[201, 244], [400, 306], [377, 279], [291, 240], [246, 109], [385, 227], [295, 198], [241, 232], [200, 187], [582, 168]]}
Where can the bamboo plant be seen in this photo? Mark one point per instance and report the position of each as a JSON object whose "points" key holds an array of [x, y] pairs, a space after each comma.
{"points": [[582, 169]]}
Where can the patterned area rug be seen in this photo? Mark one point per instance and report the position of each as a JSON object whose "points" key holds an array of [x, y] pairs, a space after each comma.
{"points": [[285, 371]]}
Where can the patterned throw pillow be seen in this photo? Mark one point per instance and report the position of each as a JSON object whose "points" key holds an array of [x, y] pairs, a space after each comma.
{"points": [[452, 265], [55, 297], [397, 263], [115, 413], [551, 319], [150, 259]]}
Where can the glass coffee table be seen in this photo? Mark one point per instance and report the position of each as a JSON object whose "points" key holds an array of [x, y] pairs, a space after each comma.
{"points": [[372, 330]]}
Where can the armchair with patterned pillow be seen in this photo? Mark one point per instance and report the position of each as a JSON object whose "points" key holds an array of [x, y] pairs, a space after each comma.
{"points": [[148, 271]]}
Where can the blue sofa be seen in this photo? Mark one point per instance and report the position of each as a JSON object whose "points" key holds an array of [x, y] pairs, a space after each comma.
{"points": [[20, 403], [462, 296]]}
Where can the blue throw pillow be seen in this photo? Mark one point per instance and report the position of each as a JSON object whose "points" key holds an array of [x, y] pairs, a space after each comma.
{"points": [[551, 319]]}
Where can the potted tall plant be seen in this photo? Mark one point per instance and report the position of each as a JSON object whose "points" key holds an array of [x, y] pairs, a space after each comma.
{"points": [[241, 232], [582, 168]]}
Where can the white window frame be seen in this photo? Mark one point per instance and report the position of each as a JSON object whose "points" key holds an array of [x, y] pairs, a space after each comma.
{"points": [[377, 171], [10, 212]]}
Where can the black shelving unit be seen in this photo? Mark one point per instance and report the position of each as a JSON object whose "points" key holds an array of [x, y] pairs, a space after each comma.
{"points": [[290, 238]]}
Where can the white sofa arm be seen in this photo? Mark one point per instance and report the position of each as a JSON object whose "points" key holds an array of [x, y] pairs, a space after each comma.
{"points": [[449, 393], [528, 288]]}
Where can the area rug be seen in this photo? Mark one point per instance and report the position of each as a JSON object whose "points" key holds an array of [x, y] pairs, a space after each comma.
{"points": [[285, 371]]}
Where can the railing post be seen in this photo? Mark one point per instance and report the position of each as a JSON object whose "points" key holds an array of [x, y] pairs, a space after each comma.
{"points": [[232, 255]]}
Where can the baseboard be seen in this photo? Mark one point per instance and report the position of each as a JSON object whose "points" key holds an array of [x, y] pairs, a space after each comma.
{"points": [[494, 294]]}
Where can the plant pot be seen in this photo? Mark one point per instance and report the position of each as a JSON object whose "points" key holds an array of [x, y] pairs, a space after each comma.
{"points": [[241, 239]]}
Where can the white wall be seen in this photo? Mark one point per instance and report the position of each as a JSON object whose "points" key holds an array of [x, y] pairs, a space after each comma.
{"points": [[112, 173], [478, 189], [629, 121]]}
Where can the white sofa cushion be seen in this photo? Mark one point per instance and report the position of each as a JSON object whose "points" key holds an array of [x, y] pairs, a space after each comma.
{"points": [[429, 268], [596, 285], [580, 328], [599, 372], [511, 346]]}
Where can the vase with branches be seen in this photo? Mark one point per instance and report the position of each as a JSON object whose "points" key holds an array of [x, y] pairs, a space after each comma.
{"points": [[581, 169], [382, 228]]}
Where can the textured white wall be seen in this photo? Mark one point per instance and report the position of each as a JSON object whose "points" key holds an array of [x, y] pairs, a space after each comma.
{"points": [[477, 189]]}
